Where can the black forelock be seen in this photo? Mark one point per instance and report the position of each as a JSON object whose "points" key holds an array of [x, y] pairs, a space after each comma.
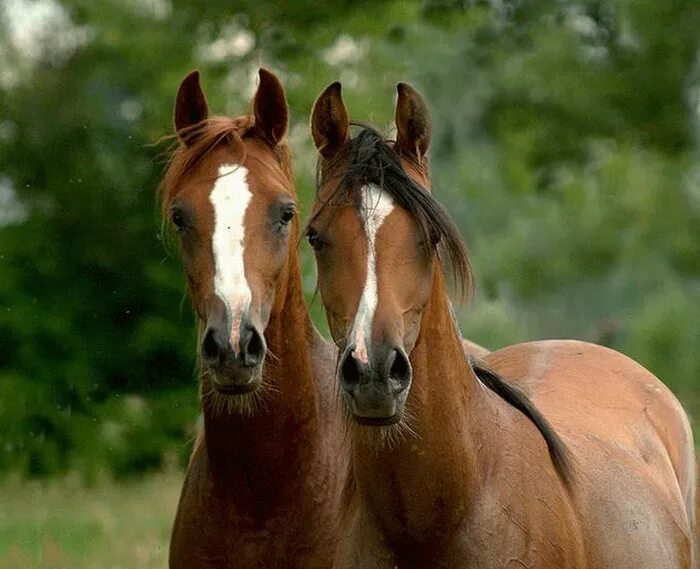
{"points": [[369, 159]]}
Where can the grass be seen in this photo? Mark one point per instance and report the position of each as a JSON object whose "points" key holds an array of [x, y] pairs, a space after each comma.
{"points": [[63, 524]]}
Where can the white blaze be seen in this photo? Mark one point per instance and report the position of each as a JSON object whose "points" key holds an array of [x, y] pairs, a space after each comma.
{"points": [[376, 206], [230, 197]]}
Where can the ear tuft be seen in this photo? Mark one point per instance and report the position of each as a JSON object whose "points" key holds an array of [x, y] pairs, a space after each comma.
{"points": [[330, 122], [191, 105], [270, 108], [412, 122]]}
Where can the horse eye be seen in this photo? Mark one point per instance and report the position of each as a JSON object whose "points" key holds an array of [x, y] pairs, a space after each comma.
{"points": [[314, 239], [177, 218], [287, 214]]}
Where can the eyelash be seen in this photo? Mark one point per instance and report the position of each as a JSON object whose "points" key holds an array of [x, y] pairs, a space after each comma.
{"points": [[287, 215], [314, 239], [178, 219]]}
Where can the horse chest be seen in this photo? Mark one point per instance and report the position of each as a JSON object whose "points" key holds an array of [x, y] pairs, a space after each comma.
{"points": [[279, 546], [233, 525], [410, 515], [241, 542]]}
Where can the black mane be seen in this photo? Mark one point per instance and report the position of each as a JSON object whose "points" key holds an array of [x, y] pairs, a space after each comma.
{"points": [[514, 396], [369, 159]]}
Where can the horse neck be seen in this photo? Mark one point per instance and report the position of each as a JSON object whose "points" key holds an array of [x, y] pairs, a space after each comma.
{"points": [[417, 474], [281, 433]]}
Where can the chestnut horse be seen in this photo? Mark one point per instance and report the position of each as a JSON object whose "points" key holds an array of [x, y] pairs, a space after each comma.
{"points": [[262, 484], [453, 467]]}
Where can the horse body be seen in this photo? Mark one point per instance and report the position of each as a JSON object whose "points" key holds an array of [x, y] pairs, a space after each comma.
{"points": [[266, 474], [457, 494], [631, 444], [451, 465], [475, 487]]}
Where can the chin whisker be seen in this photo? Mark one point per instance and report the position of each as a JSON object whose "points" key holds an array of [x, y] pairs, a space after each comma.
{"points": [[245, 404], [271, 355], [380, 438]]}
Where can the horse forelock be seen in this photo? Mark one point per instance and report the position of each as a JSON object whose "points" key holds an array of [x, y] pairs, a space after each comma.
{"points": [[368, 159], [192, 145]]}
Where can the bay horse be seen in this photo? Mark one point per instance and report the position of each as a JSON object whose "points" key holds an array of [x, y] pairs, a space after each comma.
{"points": [[452, 465], [262, 482]]}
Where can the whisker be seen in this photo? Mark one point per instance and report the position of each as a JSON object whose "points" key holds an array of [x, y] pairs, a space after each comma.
{"points": [[379, 438], [271, 354]]}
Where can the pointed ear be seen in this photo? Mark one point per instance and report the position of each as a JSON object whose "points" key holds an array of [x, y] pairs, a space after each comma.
{"points": [[270, 108], [190, 104], [330, 121], [412, 122]]}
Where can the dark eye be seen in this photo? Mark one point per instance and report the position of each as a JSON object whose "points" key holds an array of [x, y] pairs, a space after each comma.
{"points": [[178, 218], [314, 239], [287, 214]]}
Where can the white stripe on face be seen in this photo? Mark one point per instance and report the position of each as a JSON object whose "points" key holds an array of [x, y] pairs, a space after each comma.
{"points": [[230, 197], [376, 206]]}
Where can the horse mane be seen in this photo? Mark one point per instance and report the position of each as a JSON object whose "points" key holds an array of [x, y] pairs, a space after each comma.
{"points": [[514, 396], [369, 159], [193, 144]]}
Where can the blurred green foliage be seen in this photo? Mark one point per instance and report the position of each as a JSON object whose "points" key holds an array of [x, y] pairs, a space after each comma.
{"points": [[565, 143]]}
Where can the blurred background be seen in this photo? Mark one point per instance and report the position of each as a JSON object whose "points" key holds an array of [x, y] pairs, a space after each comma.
{"points": [[566, 139]]}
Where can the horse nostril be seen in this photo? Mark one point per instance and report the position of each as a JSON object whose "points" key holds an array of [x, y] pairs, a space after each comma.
{"points": [[253, 351], [349, 371], [210, 348], [400, 369]]}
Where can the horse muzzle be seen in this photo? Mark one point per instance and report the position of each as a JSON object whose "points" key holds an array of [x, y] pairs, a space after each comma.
{"points": [[375, 390], [234, 372]]}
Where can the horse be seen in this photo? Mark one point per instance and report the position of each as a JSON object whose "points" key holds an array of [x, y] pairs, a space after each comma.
{"points": [[581, 459], [263, 479]]}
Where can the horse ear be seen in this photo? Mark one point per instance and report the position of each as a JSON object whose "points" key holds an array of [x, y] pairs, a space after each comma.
{"points": [[330, 121], [412, 122], [270, 108], [190, 105]]}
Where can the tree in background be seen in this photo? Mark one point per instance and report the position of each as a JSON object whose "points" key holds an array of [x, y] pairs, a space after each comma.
{"points": [[580, 169], [565, 143]]}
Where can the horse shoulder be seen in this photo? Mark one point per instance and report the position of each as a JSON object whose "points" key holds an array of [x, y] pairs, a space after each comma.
{"points": [[522, 517], [196, 541]]}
